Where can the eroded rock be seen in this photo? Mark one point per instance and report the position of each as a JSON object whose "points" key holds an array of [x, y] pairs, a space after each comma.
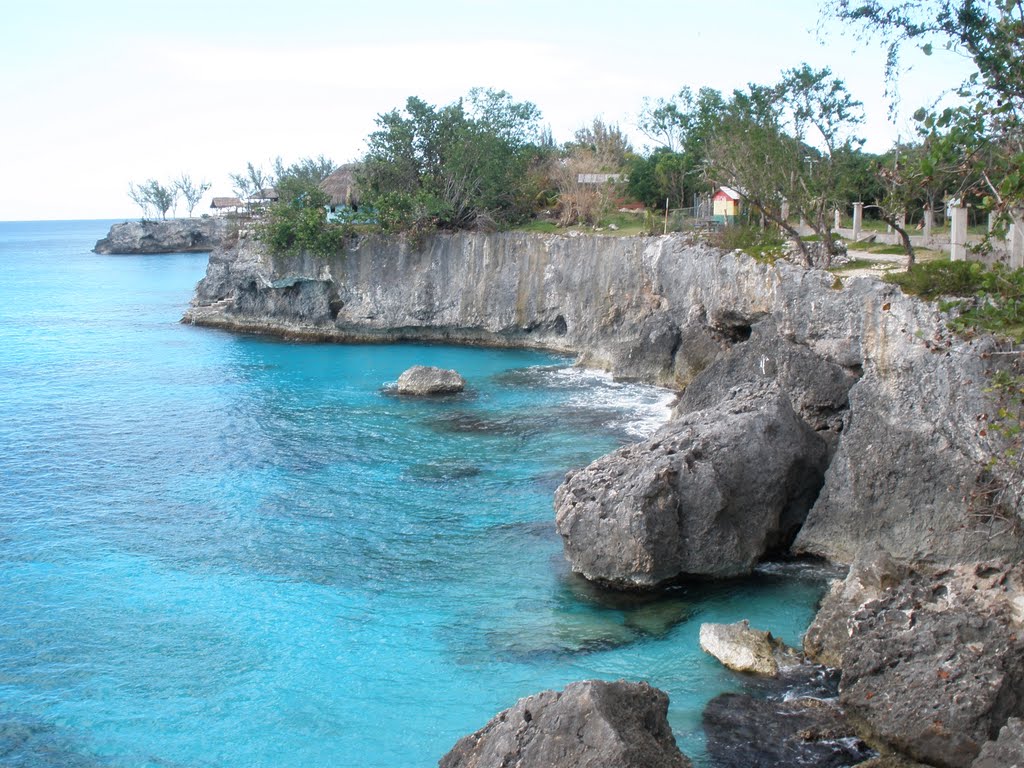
{"points": [[429, 380], [591, 723], [167, 236], [708, 495], [939, 662], [870, 578]]}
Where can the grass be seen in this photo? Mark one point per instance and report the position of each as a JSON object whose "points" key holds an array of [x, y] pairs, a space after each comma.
{"points": [[856, 264], [615, 224]]}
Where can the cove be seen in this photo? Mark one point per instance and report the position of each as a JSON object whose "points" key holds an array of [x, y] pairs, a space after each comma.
{"points": [[225, 550]]}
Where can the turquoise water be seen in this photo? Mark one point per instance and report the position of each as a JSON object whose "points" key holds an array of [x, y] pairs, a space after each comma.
{"points": [[222, 550]]}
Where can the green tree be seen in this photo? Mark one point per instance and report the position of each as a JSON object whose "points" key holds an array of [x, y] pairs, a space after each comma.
{"points": [[464, 165], [986, 130], [248, 184], [781, 147], [682, 126]]}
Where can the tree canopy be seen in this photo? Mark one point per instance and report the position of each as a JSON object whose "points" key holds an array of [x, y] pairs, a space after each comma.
{"points": [[460, 166]]}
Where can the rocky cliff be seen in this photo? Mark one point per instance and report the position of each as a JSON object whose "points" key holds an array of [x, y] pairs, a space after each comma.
{"points": [[168, 236], [897, 408]]}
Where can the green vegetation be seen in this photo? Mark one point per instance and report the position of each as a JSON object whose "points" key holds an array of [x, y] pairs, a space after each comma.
{"points": [[764, 245], [298, 221], [462, 166]]}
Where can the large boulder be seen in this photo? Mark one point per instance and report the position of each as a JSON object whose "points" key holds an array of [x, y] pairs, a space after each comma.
{"points": [[708, 495], [743, 649], [589, 724], [939, 662], [428, 380], [817, 388]]}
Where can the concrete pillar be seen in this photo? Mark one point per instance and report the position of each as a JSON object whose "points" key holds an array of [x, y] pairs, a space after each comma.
{"points": [[838, 219], [929, 217], [858, 219], [958, 234], [1015, 238]]}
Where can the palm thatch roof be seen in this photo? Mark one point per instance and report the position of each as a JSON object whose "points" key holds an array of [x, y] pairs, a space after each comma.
{"points": [[226, 202], [341, 186], [267, 194]]}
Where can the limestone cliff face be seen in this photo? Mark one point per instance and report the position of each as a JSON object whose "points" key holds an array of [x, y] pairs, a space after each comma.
{"points": [[167, 236], [662, 309]]}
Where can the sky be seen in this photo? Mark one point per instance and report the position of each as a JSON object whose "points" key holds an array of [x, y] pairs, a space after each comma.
{"points": [[98, 95]]}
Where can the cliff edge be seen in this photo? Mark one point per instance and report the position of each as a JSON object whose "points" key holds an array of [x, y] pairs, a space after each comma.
{"points": [[902, 433]]}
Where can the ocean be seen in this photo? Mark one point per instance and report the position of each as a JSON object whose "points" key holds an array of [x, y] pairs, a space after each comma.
{"points": [[229, 550]]}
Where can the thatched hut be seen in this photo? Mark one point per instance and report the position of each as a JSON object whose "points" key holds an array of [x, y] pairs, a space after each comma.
{"points": [[224, 205], [341, 187]]}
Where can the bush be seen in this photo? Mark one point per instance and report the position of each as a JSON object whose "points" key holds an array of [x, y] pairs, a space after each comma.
{"points": [[298, 223]]}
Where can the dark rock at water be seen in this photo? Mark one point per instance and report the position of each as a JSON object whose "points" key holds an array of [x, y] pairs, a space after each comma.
{"points": [[200, 235], [935, 667], [463, 422], [430, 380], [747, 732], [589, 724], [1007, 751], [708, 495]]}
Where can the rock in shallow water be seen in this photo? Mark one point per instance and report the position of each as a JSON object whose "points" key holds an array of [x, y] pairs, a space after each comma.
{"points": [[429, 380], [589, 724], [743, 649], [709, 495]]}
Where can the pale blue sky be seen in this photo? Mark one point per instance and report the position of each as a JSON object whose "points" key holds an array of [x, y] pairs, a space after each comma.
{"points": [[97, 95]]}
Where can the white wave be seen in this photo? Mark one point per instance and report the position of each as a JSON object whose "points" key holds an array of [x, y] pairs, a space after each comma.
{"points": [[640, 409]]}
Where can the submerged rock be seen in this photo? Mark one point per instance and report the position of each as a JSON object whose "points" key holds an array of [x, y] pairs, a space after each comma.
{"points": [[747, 732], [591, 723], [708, 495], [939, 662], [429, 380], [743, 649]]}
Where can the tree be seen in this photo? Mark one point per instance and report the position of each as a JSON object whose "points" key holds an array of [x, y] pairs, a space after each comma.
{"points": [[190, 191], [682, 126], [154, 195], [781, 147], [248, 184], [986, 130], [139, 196], [464, 165], [299, 180]]}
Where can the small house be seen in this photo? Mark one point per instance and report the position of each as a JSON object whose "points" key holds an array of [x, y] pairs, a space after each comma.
{"points": [[726, 205]]}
